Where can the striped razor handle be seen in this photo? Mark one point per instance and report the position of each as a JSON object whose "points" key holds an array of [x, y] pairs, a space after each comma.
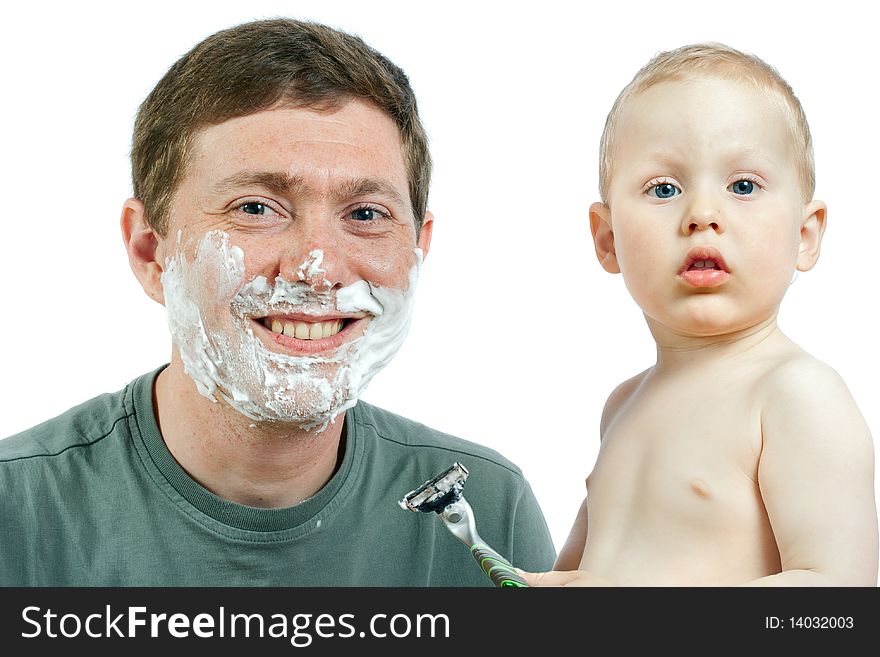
{"points": [[496, 567]]}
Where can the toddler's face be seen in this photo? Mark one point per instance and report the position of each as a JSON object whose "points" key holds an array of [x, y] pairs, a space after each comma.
{"points": [[705, 205]]}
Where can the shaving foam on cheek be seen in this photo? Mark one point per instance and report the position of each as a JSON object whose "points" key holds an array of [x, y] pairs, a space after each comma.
{"points": [[386, 333], [199, 353], [210, 307]]}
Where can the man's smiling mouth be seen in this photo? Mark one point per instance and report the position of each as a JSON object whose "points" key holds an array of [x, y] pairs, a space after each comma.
{"points": [[301, 334], [304, 330]]}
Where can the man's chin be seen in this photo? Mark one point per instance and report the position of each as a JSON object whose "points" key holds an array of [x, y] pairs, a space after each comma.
{"points": [[304, 400]]}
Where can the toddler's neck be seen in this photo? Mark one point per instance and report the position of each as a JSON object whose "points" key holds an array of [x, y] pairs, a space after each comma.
{"points": [[676, 351]]}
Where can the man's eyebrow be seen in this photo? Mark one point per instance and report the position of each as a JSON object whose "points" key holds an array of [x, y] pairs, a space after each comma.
{"points": [[280, 182], [365, 186], [277, 182]]}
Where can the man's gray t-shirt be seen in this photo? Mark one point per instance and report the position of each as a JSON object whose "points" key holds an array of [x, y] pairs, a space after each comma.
{"points": [[94, 498]]}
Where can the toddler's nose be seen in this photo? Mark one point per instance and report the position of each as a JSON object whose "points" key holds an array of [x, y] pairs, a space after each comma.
{"points": [[704, 213]]}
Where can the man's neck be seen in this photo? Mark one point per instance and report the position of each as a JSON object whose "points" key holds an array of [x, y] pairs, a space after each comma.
{"points": [[258, 464], [677, 351]]}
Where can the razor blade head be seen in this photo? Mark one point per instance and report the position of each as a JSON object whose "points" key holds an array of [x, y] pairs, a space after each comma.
{"points": [[438, 493]]}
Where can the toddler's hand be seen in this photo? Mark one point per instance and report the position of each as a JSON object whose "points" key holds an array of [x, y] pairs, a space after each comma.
{"points": [[564, 578]]}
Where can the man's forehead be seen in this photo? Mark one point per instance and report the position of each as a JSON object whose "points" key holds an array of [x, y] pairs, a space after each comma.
{"points": [[356, 140], [355, 120]]}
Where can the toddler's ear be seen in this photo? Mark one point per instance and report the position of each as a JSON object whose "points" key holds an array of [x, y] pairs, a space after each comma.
{"points": [[603, 237], [812, 229]]}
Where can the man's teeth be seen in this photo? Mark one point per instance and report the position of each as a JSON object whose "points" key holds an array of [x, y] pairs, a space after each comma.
{"points": [[305, 330], [704, 264]]}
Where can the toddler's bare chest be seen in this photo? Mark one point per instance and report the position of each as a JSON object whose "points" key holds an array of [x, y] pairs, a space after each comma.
{"points": [[692, 448]]}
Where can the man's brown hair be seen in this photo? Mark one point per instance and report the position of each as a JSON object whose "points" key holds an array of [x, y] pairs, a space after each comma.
{"points": [[256, 66]]}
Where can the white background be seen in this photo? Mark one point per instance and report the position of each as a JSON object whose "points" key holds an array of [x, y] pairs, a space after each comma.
{"points": [[519, 335]]}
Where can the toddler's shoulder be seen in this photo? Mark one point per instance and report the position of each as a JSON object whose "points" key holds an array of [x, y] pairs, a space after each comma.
{"points": [[806, 402], [618, 398], [798, 375]]}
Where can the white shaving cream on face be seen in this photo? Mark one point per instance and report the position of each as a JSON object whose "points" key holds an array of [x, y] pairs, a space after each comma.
{"points": [[210, 306]]}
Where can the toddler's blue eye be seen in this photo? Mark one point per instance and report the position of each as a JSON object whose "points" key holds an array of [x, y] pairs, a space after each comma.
{"points": [[665, 190], [743, 187]]}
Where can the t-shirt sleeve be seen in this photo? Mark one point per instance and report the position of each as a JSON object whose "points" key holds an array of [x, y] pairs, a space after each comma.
{"points": [[533, 548]]}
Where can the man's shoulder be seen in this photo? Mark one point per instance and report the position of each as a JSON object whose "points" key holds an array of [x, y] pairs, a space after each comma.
{"points": [[82, 425], [414, 437]]}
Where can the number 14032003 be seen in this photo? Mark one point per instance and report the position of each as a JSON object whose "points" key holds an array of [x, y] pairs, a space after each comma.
{"points": [[809, 622]]}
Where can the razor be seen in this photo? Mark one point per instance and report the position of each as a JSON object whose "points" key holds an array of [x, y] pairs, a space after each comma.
{"points": [[443, 495]]}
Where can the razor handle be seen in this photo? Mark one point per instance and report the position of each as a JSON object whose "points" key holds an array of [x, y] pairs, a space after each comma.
{"points": [[496, 567]]}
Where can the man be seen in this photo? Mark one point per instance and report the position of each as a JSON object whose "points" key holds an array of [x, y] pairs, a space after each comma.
{"points": [[280, 177]]}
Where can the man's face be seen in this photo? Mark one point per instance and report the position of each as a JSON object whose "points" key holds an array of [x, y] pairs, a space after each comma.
{"points": [[291, 258], [705, 205]]}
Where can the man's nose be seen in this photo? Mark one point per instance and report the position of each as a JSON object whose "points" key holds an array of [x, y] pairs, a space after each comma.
{"points": [[312, 254], [703, 213]]}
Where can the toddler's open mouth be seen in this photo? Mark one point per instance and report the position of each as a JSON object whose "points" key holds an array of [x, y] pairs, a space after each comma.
{"points": [[704, 266]]}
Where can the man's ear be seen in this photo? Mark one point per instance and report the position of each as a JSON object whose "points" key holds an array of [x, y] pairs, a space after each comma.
{"points": [[142, 244], [812, 230], [424, 241], [603, 237]]}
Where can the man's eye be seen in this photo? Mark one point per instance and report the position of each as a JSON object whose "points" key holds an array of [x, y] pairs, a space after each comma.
{"points": [[254, 208], [742, 187], [367, 214], [665, 190]]}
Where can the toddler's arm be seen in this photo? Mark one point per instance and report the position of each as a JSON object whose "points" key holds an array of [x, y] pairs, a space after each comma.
{"points": [[572, 552], [816, 475]]}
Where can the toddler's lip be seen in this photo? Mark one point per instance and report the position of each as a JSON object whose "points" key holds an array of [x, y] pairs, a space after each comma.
{"points": [[703, 258]]}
